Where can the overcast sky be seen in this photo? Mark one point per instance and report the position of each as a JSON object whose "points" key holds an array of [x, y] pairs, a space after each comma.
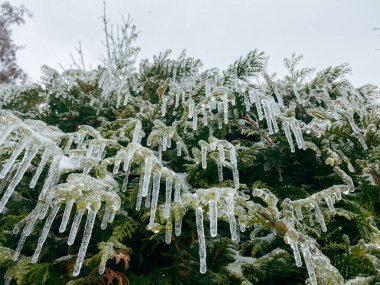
{"points": [[326, 32]]}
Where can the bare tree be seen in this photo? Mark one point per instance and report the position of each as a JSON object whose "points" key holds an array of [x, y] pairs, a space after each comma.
{"points": [[10, 15]]}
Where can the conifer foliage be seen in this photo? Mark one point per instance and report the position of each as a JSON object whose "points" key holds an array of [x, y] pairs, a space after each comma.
{"points": [[165, 174]]}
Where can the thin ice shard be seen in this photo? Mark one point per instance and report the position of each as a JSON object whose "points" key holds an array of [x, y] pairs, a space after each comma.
{"points": [[27, 231], [106, 217], [178, 227], [91, 216], [168, 233], [220, 171], [16, 152], [52, 175], [288, 135], [66, 216], [4, 134], [213, 215], [139, 196], [68, 144], [177, 192], [75, 226], [155, 193], [231, 216], [319, 217], [309, 263], [201, 240], [168, 196], [297, 257], [147, 174], [30, 153], [45, 232], [44, 158], [125, 180], [204, 156]]}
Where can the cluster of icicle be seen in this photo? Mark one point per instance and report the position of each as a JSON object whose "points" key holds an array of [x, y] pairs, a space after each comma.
{"points": [[221, 205], [302, 244], [88, 193], [225, 150]]}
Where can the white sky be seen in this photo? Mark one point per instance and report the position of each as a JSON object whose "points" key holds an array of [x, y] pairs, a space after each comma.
{"points": [[326, 32]]}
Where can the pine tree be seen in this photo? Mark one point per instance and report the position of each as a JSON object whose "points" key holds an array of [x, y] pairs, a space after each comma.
{"points": [[166, 174]]}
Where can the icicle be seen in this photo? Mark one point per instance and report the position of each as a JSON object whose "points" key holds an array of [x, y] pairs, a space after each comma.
{"points": [[297, 94], [125, 180], [278, 95], [330, 203], [204, 156], [298, 211], [16, 152], [273, 111], [155, 193], [105, 219], [220, 171], [309, 263], [177, 227], [136, 132], [288, 135], [147, 174], [139, 193], [258, 105], [44, 158], [85, 240], [4, 134], [208, 88], [191, 108], [159, 152], [296, 133], [235, 172], [148, 197], [176, 100], [267, 115], [80, 138], [231, 216], [169, 141], [126, 97], [75, 226], [116, 166], [225, 108], [247, 104], [30, 153], [163, 106], [128, 157], [204, 115], [168, 194], [168, 233], [27, 231], [201, 240], [68, 144], [45, 232], [177, 192], [221, 153], [297, 257], [213, 215], [53, 172], [195, 120], [7, 178], [179, 148], [297, 125], [66, 216], [319, 217]]}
